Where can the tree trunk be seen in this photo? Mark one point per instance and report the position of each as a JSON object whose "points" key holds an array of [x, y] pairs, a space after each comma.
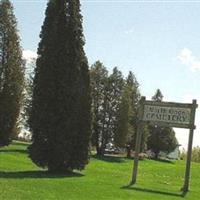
{"points": [[99, 151], [156, 154], [128, 150]]}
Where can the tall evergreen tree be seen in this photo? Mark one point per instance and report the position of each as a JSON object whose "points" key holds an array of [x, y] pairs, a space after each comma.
{"points": [[11, 74], [98, 77], [112, 100], [106, 97], [60, 114], [161, 139], [123, 117], [134, 99], [127, 115]]}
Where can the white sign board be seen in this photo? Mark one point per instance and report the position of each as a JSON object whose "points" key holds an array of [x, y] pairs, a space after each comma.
{"points": [[165, 114]]}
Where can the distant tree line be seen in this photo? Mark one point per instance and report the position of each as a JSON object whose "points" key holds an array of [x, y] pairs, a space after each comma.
{"points": [[114, 107], [114, 114]]}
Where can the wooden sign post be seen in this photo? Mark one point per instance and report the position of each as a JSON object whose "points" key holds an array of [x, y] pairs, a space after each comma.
{"points": [[165, 114], [138, 140], [189, 152]]}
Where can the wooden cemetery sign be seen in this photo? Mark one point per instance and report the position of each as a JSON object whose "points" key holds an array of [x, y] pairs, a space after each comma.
{"points": [[166, 114]]}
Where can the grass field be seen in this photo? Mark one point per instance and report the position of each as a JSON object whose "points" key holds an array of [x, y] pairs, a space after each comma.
{"points": [[104, 178]]}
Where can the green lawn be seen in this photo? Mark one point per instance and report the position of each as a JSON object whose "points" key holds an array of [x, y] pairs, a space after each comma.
{"points": [[104, 178]]}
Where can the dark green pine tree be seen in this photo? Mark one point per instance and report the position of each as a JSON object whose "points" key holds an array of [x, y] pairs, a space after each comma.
{"points": [[11, 74], [123, 116], [98, 78], [161, 138], [112, 98], [60, 115], [127, 116], [134, 95]]}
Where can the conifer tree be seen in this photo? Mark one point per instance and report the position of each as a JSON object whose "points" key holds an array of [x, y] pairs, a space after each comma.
{"points": [[60, 113], [127, 115], [161, 139], [123, 117], [134, 96], [11, 74], [112, 100], [98, 77], [106, 98]]}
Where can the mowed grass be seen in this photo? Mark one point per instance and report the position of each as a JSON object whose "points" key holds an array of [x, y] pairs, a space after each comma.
{"points": [[104, 178]]}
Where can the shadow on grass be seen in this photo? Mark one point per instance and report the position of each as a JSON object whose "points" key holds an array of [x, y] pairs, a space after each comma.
{"points": [[13, 151], [109, 158], [164, 161], [37, 174], [128, 187]]}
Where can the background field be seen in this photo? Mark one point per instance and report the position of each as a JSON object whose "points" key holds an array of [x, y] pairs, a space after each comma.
{"points": [[104, 178]]}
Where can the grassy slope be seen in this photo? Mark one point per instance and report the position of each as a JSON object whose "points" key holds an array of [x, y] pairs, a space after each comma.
{"points": [[102, 179]]}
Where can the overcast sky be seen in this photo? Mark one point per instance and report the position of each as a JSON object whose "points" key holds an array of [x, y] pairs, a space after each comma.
{"points": [[158, 40]]}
